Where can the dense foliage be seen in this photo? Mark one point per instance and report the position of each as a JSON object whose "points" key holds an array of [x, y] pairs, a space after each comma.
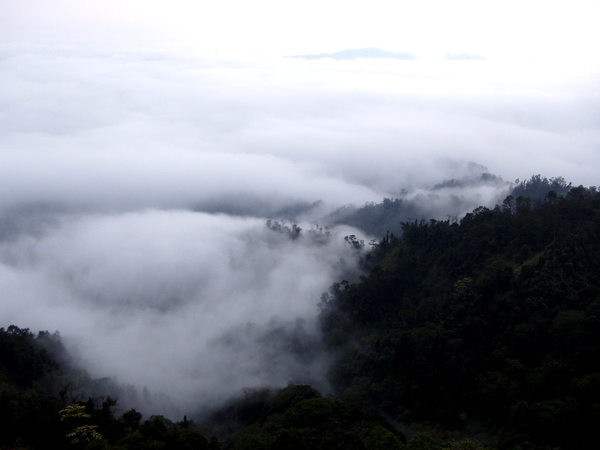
{"points": [[489, 324], [28, 414], [33, 415], [378, 219], [471, 334], [538, 187], [298, 417]]}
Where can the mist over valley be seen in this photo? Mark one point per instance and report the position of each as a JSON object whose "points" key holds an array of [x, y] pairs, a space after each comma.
{"points": [[136, 188], [176, 212]]}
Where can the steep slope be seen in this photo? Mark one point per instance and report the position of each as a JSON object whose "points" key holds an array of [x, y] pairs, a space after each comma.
{"points": [[488, 324]]}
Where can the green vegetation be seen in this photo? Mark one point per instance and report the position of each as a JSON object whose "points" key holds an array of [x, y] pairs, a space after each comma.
{"points": [[298, 417], [488, 325], [379, 219], [32, 416], [538, 187], [482, 333]]}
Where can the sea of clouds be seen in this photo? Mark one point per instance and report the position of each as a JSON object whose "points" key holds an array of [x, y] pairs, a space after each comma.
{"points": [[135, 185]]}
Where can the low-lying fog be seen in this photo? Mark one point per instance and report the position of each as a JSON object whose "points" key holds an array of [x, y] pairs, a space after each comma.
{"points": [[135, 186]]}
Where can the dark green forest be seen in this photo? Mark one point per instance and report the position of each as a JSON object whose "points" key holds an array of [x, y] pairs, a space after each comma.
{"points": [[487, 326], [377, 219], [478, 333]]}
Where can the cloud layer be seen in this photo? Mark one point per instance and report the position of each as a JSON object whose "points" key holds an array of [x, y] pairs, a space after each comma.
{"points": [[152, 130], [189, 305], [115, 165]]}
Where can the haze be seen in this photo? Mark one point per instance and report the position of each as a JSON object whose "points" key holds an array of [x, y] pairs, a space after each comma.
{"points": [[143, 147]]}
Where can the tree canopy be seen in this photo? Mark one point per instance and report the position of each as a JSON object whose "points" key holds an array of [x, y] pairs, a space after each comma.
{"points": [[489, 323]]}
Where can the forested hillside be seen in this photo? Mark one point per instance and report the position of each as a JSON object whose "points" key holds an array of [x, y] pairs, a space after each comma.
{"points": [[488, 325], [448, 199], [462, 334]]}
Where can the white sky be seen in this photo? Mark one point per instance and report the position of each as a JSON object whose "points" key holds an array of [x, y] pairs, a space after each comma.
{"points": [[210, 76], [494, 29]]}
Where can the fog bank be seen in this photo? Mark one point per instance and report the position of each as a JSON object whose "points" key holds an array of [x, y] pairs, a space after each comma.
{"points": [[136, 183], [189, 305]]}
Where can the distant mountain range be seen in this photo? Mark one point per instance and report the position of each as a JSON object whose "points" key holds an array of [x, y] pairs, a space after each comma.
{"points": [[358, 53], [377, 53]]}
